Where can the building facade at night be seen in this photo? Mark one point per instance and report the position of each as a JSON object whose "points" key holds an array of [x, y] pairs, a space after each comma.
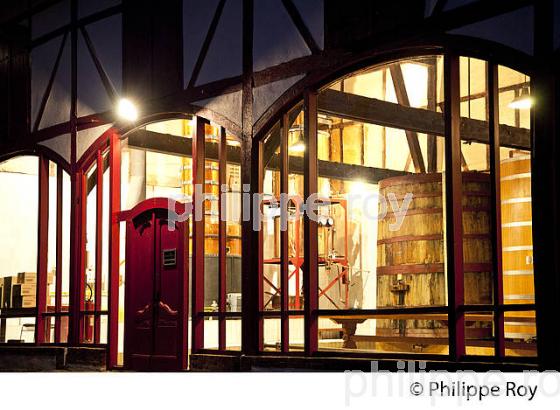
{"points": [[426, 131]]}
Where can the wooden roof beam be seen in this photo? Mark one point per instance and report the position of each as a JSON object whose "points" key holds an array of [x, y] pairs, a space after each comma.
{"points": [[402, 98], [175, 145], [374, 111]]}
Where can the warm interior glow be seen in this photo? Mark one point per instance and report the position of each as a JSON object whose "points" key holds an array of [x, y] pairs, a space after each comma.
{"points": [[127, 110], [296, 136], [522, 102], [298, 146]]}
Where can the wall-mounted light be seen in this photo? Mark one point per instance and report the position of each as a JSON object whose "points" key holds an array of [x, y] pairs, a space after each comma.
{"points": [[126, 110]]}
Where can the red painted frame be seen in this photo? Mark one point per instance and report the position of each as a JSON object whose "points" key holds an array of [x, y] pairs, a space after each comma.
{"points": [[42, 250], [114, 247], [197, 290]]}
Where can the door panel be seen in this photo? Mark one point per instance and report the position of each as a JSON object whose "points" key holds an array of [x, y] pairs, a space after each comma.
{"points": [[170, 264], [139, 291], [156, 297]]}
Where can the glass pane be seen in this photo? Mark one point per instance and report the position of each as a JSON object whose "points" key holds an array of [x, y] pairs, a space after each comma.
{"points": [[105, 238], [233, 213], [63, 328], [271, 221], [479, 333], [211, 329], [212, 218], [88, 324], [19, 184], [296, 333], [515, 192], [296, 150], [475, 161], [403, 333], [51, 257], [66, 201], [103, 329], [233, 334], [521, 333], [17, 330], [271, 334], [516, 211], [91, 246]]}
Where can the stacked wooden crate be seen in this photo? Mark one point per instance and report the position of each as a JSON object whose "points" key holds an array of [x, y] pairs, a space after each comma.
{"points": [[20, 291]]}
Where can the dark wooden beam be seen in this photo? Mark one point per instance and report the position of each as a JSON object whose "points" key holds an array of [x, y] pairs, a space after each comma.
{"points": [[438, 8], [47, 92], [175, 145], [402, 99], [207, 42], [432, 101], [374, 111], [106, 81], [252, 324], [301, 26]]}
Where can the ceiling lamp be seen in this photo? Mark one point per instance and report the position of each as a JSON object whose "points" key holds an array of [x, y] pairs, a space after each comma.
{"points": [[523, 101], [298, 145]]}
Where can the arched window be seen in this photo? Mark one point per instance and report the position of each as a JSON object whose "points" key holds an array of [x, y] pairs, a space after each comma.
{"points": [[393, 157], [34, 239]]}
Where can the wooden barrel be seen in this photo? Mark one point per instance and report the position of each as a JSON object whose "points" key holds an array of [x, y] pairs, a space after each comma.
{"points": [[517, 245], [411, 260]]}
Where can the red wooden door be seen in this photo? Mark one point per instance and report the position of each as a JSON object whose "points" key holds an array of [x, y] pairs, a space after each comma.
{"points": [[156, 293]]}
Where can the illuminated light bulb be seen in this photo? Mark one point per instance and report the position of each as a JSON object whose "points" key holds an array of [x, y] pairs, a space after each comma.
{"points": [[522, 101], [357, 188], [298, 146], [127, 110]]}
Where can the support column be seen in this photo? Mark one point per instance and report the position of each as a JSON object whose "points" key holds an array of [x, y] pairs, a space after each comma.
{"points": [[311, 265], [454, 216], [496, 206], [250, 331], [545, 181], [42, 249], [114, 246], [197, 282]]}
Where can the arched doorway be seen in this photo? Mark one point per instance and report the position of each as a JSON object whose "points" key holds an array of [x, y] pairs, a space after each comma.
{"points": [[185, 159]]}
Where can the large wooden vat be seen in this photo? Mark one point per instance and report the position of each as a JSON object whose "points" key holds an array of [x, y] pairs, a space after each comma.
{"points": [[517, 245], [411, 260]]}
